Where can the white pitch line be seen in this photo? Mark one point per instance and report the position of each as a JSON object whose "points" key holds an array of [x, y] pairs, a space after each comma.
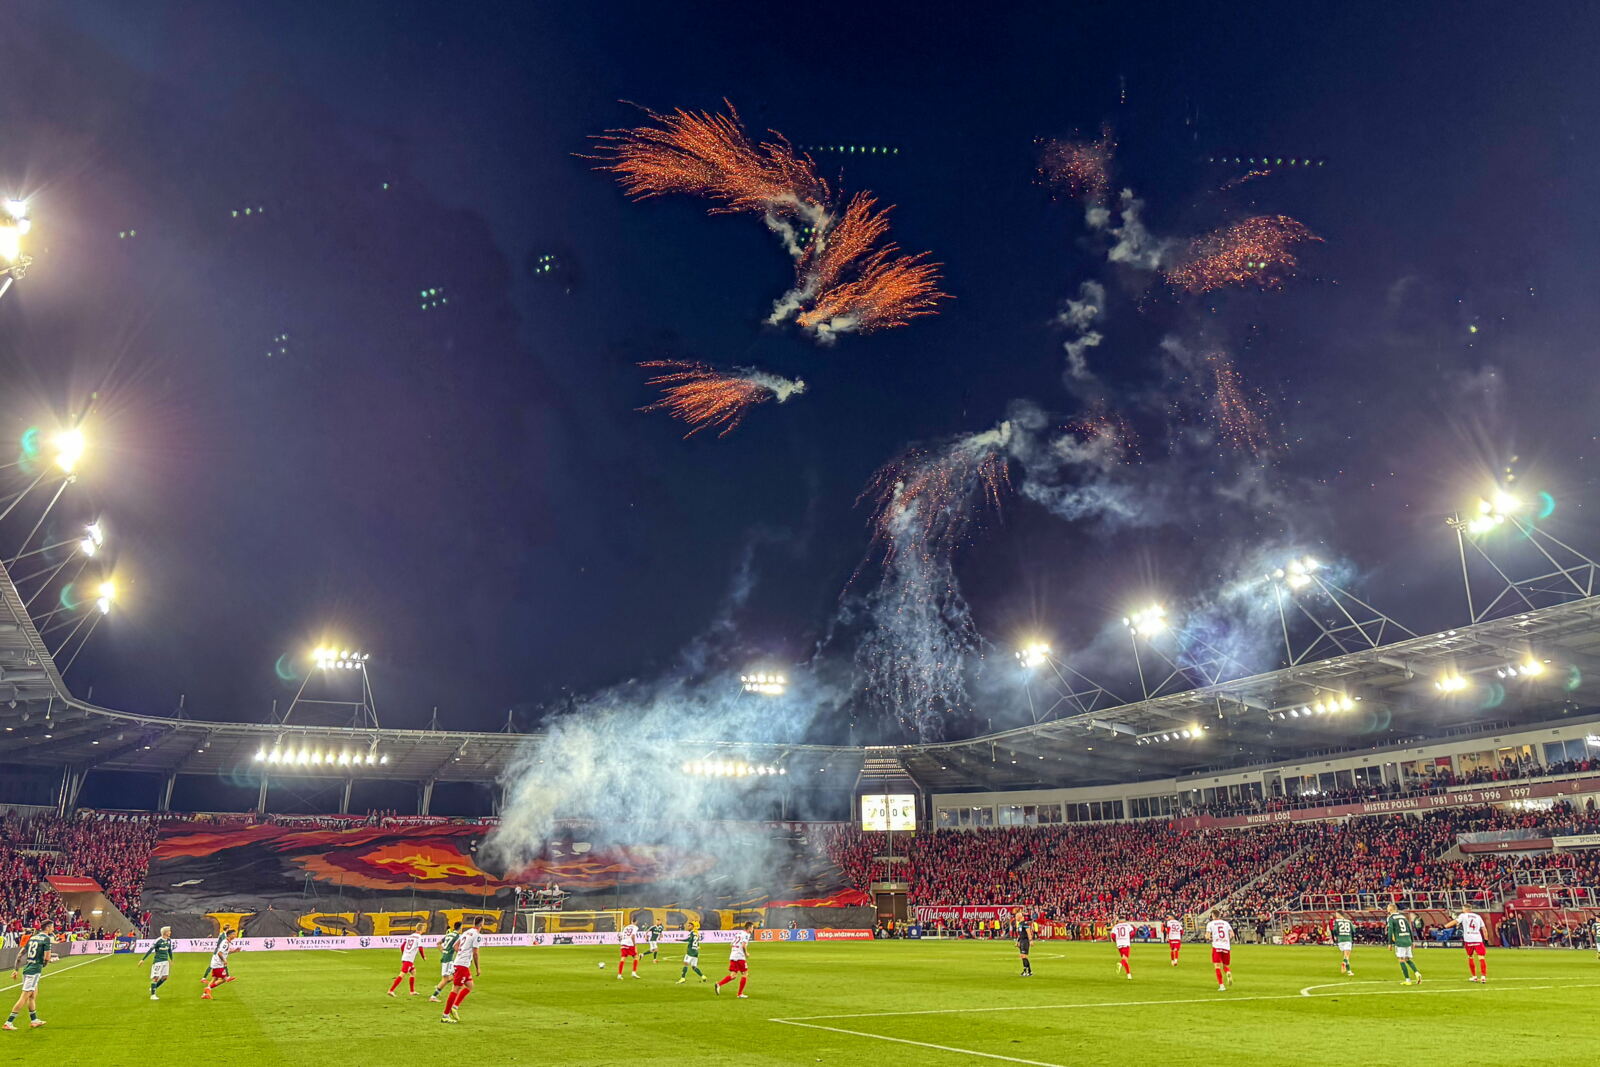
{"points": [[1108, 1004], [62, 970], [919, 1044], [1214, 999], [1306, 992]]}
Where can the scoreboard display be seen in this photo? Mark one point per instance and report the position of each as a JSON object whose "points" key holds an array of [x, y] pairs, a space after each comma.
{"points": [[889, 811]]}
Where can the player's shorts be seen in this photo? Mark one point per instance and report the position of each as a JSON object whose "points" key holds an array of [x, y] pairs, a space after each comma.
{"points": [[1123, 950], [1402, 952], [1476, 948], [738, 967], [161, 970], [629, 950], [1023, 946], [461, 976], [30, 982], [654, 945], [447, 968], [219, 972], [1345, 946], [1223, 956], [692, 960], [1174, 941], [408, 967]]}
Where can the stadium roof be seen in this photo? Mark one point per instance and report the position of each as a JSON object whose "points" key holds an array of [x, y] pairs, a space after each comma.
{"points": [[1371, 698]]}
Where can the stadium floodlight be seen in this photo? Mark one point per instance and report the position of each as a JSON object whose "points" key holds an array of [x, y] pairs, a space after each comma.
{"points": [[329, 658], [93, 538], [1296, 574], [106, 595], [69, 447], [1491, 511], [767, 683], [1033, 655], [1451, 682], [1147, 622], [14, 225]]}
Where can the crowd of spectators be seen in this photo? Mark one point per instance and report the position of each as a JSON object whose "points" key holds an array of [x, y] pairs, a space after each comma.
{"points": [[1088, 874], [1442, 780], [1069, 874], [114, 850]]}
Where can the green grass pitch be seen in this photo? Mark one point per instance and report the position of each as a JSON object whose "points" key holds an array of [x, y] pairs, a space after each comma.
{"points": [[927, 1003]]}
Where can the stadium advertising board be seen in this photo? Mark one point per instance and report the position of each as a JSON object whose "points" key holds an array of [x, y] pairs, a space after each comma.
{"points": [[928, 914], [345, 944], [889, 811], [1496, 794]]}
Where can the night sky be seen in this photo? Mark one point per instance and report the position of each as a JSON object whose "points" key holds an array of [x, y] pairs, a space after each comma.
{"points": [[288, 445]]}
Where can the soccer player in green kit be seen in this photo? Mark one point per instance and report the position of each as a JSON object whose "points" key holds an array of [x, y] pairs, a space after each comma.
{"points": [[161, 968], [35, 956], [1399, 933], [691, 956], [654, 935], [447, 959], [1344, 936]]}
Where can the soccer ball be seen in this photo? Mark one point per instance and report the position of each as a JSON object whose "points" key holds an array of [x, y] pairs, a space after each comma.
{"points": [[601, 965]]}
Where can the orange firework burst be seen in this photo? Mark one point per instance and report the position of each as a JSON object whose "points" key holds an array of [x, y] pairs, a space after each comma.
{"points": [[1258, 249], [713, 156], [1078, 168], [891, 289], [703, 396], [849, 241], [1239, 410]]}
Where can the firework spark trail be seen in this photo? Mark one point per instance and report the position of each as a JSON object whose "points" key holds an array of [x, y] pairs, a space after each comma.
{"points": [[1257, 249], [1080, 169], [703, 396], [915, 653], [891, 289], [1108, 432], [1238, 409], [702, 154]]}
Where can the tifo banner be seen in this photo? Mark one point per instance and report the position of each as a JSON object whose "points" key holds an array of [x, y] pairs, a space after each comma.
{"points": [[1497, 794], [270, 879], [927, 914]]}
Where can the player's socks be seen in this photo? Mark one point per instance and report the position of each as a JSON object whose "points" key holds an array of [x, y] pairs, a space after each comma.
{"points": [[394, 985], [459, 998], [11, 1018], [741, 985]]}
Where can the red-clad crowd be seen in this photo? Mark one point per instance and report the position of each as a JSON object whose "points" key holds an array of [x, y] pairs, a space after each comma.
{"points": [[1068, 873], [1088, 873], [114, 850]]}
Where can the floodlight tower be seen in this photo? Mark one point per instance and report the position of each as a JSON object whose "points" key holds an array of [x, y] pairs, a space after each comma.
{"points": [[1571, 575], [339, 666], [1067, 690], [1356, 623], [1209, 667]]}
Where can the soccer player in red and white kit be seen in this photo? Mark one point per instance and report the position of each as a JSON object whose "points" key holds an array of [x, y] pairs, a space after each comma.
{"points": [[219, 964], [1174, 938], [410, 951], [1473, 931], [1122, 934], [738, 964], [466, 963], [630, 950], [1221, 934]]}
